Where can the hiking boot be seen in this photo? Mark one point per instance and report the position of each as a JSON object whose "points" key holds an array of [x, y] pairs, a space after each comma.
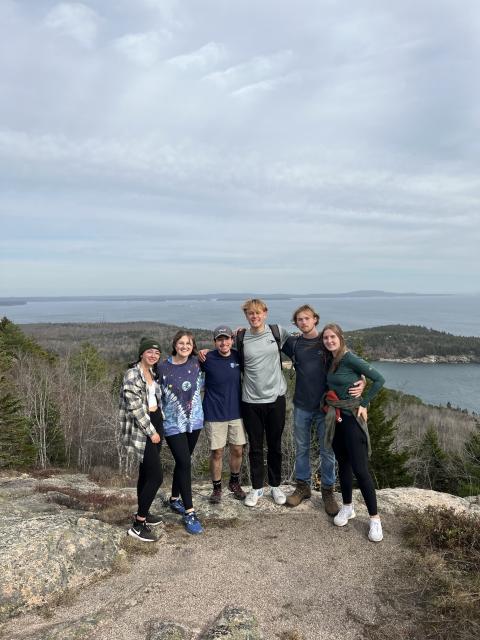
{"points": [[141, 531], [302, 492], [329, 502], [253, 497], [317, 481], [215, 496], [345, 514], [237, 490], [192, 523], [177, 506], [375, 533], [277, 495]]}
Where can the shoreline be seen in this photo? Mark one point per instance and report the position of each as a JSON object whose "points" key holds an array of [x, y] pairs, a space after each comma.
{"points": [[431, 359]]}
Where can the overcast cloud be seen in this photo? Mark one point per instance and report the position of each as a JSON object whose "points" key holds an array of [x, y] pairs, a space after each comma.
{"points": [[161, 146]]}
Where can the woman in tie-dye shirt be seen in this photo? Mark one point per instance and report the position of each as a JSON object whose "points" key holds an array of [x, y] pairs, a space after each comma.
{"points": [[181, 381]]}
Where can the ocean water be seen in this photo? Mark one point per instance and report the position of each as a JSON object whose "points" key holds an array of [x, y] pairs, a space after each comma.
{"points": [[436, 383], [456, 314], [458, 384]]}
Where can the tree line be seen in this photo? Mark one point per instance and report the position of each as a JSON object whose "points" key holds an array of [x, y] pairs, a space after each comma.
{"points": [[59, 409]]}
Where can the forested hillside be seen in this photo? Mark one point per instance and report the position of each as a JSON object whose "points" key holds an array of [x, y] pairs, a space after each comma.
{"points": [[397, 342], [59, 390], [118, 340]]}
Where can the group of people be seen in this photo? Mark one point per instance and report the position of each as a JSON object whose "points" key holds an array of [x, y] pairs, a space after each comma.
{"points": [[244, 400]]}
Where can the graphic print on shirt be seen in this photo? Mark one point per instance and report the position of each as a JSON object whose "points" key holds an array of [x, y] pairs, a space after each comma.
{"points": [[181, 386]]}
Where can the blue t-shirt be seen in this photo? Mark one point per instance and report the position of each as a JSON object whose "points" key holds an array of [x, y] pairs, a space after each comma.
{"points": [[182, 402], [223, 390]]}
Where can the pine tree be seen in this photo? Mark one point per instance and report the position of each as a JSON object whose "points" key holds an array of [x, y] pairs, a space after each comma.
{"points": [[434, 468], [389, 467], [471, 485], [16, 447]]}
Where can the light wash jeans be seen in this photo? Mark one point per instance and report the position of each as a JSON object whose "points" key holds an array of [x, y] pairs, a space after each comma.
{"points": [[303, 421]]}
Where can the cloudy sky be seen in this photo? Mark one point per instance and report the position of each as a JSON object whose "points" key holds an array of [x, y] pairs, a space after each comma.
{"points": [[160, 146]]}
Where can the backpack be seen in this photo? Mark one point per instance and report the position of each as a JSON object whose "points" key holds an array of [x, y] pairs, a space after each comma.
{"points": [[241, 336]]}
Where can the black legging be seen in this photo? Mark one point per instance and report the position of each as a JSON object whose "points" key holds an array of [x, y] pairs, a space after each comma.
{"points": [[182, 446], [265, 421], [150, 474], [351, 451]]}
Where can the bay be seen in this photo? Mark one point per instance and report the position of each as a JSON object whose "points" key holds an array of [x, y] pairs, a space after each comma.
{"points": [[438, 384], [459, 315], [458, 384]]}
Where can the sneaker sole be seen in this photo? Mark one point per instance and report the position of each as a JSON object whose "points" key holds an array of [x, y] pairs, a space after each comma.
{"points": [[155, 524], [132, 533], [372, 540], [343, 524]]}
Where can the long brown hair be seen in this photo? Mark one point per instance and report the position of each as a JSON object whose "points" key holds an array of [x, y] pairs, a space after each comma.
{"points": [[181, 334], [342, 350]]}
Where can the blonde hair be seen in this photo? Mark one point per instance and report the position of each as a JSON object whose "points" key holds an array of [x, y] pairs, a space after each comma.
{"points": [[337, 330], [255, 304], [302, 309]]}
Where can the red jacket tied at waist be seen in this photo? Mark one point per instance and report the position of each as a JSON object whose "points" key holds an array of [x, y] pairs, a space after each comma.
{"points": [[331, 395]]}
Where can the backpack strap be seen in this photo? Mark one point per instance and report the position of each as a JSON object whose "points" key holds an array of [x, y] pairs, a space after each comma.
{"points": [[239, 338], [276, 334], [294, 351]]}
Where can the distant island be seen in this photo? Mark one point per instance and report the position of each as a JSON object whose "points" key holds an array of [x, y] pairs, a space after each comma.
{"points": [[368, 293]]}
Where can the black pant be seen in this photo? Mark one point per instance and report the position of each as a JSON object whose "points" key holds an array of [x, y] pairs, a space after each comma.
{"points": [[182, 446], [150, 474], [265, 421], [351, 451]]}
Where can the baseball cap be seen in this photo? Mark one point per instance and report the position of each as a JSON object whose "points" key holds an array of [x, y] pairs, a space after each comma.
{"points": [[222, 330]]}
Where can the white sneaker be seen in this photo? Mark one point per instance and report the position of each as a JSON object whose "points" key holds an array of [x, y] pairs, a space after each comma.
{"points": [[345, 514], [278, 496], [252, 497], [375, 533]]}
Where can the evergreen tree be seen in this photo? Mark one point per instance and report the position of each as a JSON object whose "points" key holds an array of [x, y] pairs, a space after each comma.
{"points": [[14, 341], [16, 447], [389, 467], [88, 365], [434, 465], [471, 485]]}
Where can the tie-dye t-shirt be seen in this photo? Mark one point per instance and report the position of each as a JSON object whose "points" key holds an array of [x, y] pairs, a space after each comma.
{"points": [[182, 402]]}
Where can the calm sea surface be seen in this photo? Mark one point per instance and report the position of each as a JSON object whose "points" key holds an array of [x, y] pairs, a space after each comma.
{"points": [[438, 384]]}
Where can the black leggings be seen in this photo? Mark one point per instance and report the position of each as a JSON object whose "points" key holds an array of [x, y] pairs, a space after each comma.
{"points": [[150, 474], [182, 446], [265, 421], [351, 451]]}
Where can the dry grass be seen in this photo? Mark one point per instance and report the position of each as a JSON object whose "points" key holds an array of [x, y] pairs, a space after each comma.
{"points": [[435, 592], [112, 509]]}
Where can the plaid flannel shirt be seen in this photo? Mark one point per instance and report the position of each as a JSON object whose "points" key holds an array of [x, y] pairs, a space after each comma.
{"points": [[134, 417]]}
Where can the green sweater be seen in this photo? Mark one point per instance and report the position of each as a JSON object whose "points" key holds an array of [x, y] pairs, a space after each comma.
{"points": [[349, 370]]}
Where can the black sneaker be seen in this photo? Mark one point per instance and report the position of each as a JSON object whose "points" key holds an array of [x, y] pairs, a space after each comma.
{"points": [[141, 531], [153, 520]]}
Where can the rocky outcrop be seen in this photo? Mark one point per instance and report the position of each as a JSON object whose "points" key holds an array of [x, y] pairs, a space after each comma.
{"points": [[51, 543], [47, 548]]}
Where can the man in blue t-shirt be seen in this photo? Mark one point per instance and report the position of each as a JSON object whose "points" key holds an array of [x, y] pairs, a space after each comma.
{"points": [[222, 410]]}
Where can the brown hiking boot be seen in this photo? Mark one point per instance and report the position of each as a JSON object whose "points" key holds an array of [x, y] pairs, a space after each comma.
{"points": [[329, 501], [302, 492], [237, 490], [216, 496]]}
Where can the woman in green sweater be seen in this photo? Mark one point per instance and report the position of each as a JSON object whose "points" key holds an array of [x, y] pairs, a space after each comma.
{"points": [[346, 426]]}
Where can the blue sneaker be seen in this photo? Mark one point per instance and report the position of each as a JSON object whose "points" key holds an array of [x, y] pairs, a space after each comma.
{"points": [[177, 506], [192, 523]]}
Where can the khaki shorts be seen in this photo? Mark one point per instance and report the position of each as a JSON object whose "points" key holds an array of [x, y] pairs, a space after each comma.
{"points": [[219, 433]]}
